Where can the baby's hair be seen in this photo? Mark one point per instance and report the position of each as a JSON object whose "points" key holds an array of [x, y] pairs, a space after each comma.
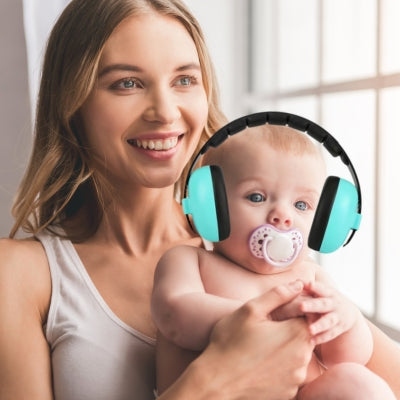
{"points": [[280, 138]]}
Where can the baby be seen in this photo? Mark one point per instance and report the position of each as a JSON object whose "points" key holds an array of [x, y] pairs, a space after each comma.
{"points": [[273, 177]]}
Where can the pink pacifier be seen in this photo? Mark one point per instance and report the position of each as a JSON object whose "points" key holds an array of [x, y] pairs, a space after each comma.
{"points": [[278, 248]]}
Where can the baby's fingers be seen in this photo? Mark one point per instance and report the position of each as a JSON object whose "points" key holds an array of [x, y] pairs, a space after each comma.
{"points": [[320, 305], [319, 289], [324, 323], [326, 336], [325, 328]]}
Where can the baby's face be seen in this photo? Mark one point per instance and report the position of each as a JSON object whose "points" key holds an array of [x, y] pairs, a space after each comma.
{"points": [[267, 186]]}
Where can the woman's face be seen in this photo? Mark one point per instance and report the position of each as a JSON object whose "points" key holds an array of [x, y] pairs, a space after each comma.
{"points": [[145, 116]]}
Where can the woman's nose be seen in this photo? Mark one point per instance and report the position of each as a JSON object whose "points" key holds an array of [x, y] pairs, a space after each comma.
{"points": [[162, 107]]}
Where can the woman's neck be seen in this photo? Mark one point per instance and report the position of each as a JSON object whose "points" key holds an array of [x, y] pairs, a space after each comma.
{"points": [[144, 221]]}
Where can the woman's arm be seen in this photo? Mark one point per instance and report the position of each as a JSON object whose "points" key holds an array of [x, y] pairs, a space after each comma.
{"points": [[249, 355], [385, 360], [25, 289]]}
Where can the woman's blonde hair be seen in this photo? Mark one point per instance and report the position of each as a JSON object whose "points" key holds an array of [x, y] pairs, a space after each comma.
{"points": [[60, 179]]}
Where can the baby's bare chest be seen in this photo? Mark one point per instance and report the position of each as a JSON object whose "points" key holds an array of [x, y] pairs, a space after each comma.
{"points": [[231, 281]]}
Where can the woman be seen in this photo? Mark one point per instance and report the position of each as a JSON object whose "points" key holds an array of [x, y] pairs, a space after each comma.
{"points": [[127, 96]]}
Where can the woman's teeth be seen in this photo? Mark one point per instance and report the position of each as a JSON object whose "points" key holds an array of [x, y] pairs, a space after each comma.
{"points": [[157, 145]]}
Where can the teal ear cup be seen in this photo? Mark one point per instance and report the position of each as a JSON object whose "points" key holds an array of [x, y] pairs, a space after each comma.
{"points": [[207, 203], [336, 216]]}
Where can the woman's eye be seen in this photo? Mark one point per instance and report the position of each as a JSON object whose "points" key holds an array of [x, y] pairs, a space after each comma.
{"points": [[301, 205], [256, 197], [186, 81], [128, 83]]}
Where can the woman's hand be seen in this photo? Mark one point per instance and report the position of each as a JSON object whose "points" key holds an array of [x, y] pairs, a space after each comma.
{"points": [[252, 356]]}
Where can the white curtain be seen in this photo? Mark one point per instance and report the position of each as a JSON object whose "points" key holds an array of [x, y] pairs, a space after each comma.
{"points": [[39, 18]]}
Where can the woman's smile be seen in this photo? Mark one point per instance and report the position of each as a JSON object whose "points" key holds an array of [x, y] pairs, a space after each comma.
{"points": [[158, 148], [156, 144]]}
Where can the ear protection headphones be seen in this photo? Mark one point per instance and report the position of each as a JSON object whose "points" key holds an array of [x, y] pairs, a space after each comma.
{"points": [[337, 216]]}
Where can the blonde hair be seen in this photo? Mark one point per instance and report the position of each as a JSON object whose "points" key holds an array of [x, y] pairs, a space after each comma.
{"points": [[60, 179]]}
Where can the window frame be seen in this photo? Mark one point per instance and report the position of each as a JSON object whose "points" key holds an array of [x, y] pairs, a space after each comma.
{"points": [[254, 101]]}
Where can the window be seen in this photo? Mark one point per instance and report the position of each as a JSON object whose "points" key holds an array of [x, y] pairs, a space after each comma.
{"points": [[338, 63]]}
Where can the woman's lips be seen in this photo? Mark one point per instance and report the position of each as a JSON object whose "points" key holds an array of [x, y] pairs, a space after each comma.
{"points": [[157, 148], [158, 144], [155, 144]]}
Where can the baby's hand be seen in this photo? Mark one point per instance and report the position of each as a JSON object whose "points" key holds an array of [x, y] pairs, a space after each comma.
{"points": [[293, 309], [330, 313]]}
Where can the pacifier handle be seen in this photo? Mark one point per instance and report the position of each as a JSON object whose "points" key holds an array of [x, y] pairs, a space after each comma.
{"points": [[279, 263]]}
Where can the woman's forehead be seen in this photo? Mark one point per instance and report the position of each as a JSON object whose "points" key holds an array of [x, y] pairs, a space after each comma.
{"points": [[149, 37]]}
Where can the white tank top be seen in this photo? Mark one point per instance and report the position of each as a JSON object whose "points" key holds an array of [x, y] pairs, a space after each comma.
{"points": [[94, 355]]}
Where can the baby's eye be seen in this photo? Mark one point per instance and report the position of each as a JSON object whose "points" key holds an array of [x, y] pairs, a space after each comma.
{"points": [[256, 197], [301, 205]]}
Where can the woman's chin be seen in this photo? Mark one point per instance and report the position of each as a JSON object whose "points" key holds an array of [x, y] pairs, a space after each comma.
{"points": [[159, 181]]}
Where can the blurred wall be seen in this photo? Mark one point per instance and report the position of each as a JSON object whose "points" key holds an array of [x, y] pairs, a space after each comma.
{"points": [[225, 30], [15, 126]]}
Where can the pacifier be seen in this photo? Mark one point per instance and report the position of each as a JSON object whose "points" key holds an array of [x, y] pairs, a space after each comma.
{"points": [[279, 248]]}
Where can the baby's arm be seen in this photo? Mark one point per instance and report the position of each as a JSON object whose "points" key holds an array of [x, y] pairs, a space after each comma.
{"points": [[336, 324], [181, 309]]}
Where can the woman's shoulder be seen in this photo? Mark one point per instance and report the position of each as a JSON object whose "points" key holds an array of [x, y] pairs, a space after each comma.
{"points": [[24, 271], [26, 242], [17, 251]]}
